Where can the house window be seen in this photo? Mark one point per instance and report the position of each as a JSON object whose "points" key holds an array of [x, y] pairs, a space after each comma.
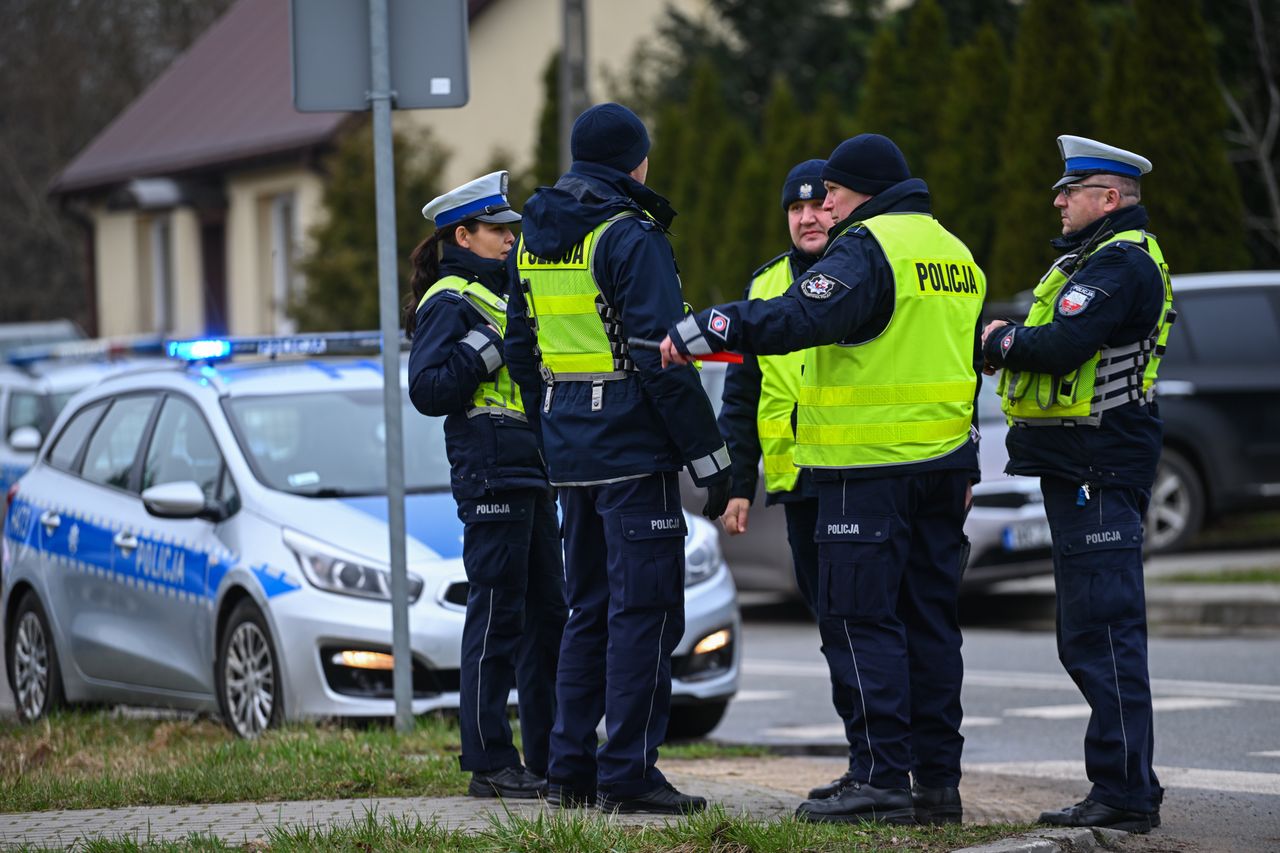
{"points": [[286, 283], [161, 274]]}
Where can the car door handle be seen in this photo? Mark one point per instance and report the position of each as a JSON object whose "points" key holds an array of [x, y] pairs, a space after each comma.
{"points": [[125, 541], [50, 520]]}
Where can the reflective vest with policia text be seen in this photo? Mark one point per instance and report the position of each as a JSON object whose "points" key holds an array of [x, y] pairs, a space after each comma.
{"points": [[906, 395], [579, 335], [499, 394], [1113, 376], [779, 389]]}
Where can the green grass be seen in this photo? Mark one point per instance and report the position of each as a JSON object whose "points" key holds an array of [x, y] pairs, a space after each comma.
{"points": [[712, 831], [1259, 574], [96, 759]]}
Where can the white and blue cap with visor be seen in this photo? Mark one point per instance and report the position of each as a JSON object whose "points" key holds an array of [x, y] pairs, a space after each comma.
{"points": [[484, 199], [1083, 157]]}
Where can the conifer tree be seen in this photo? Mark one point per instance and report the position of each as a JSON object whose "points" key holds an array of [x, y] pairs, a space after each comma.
{"points": [[1050, 95], [964, 167], [342, 267], [1163, 102], [923, 76], [880, 106], [546, 152]]}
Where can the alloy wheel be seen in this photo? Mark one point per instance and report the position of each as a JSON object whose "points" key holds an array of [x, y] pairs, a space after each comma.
{"points": [[249, 679], [30, 665]]}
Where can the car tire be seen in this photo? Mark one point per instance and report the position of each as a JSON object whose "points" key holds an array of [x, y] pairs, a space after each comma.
{"points": [[694, 721], [32, 662], [1177, 504], [248, 675]]}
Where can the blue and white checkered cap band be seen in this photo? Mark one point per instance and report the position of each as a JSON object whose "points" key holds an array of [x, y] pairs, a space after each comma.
{"points": [[472, 208]]}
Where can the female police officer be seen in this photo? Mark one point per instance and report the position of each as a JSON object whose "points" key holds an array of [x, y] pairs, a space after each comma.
{"points": [[511, 547]]}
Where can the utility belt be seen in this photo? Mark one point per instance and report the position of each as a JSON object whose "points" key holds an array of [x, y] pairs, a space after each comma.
{"points": [[1117, 381], [497, 413], [551, 378]]}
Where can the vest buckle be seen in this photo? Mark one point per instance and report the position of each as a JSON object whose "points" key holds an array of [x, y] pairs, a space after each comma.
{"points": [[597, 396]]}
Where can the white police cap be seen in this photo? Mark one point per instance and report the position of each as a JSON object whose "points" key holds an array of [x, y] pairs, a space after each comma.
{"points": [[1084, 157], [484, 199]]}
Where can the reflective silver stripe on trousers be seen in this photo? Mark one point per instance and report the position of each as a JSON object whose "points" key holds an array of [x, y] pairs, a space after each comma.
{"points": [[480, 342], [692, 336], [705, 466]]}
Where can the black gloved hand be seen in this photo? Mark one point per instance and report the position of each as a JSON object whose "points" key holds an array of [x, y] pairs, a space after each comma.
{"points": [[717, 497]]}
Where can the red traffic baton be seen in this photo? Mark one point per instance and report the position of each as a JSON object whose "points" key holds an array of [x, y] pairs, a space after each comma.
{"points": [[655, 346]]}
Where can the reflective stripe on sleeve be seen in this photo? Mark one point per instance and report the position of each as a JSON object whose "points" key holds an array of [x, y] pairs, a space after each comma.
{"points": [[480, 342], [694, 342], [706, 466]]}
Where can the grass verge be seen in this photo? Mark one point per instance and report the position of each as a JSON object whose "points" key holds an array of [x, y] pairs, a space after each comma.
{"points": [[1260, 574], [588, 833], [98, 759]]}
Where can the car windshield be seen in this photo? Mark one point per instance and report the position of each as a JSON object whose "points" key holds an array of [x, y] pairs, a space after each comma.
{"points": [[332, 443]]}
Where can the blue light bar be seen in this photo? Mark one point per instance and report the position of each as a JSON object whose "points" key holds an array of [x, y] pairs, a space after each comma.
{"points": [[86, 350], [274, 346]]}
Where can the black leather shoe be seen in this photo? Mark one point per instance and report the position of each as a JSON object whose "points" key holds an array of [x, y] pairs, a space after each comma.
{"points": [[832, 788], [510, 783], [662, 800], [1093, 813], [857, 802], [937, 805], [568, 797], [1155, 817]]}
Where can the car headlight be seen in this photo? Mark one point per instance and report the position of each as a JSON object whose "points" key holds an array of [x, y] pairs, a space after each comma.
{"points": [[333, 570], [701, 563]]}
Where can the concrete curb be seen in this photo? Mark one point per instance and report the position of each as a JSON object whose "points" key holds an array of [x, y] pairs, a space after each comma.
{"points": [[1055, 841], [1222, 606]]}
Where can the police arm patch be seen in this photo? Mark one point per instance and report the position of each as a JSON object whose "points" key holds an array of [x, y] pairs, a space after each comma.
{"points": [[820, 286], [718, 324], [1075, 299]]}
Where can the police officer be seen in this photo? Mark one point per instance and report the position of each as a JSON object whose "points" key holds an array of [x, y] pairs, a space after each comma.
{"points": [[510, 546], [595, 267], [759, 402], [884, 423], [1077, 390]]}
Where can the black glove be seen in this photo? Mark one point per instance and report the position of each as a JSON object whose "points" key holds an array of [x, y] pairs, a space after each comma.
{"points": [[717, 497]]}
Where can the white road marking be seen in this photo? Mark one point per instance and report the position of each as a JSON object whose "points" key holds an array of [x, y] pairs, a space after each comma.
{"points": [[973, 722], [823, 732], [1081, 711], [1238, 781], [1041, 681], [1269, 753], [761, 695]]}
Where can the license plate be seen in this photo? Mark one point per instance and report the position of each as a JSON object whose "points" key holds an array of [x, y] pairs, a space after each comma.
{"points": [[1026, 535]]}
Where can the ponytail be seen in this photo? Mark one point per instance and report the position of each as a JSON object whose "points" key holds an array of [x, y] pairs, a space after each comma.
{"points": [[425, 258]]}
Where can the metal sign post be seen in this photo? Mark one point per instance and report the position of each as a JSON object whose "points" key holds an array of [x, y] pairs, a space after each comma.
{"points": [[421, 63]]}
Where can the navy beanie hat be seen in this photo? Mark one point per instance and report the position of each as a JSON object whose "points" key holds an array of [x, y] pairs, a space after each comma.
{"points": [[803, 183], [611, 135], [868, 163]]}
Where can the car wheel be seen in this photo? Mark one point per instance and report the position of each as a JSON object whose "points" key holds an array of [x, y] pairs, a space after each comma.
{"points": [[1177, 504], [248, 673], [695, 721], [33, 662]]}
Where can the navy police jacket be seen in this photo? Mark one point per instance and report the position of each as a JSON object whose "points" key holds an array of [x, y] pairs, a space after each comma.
{"points": [[487, 453], [858, 311], [655, 420], [1128, 294], [741, 402]]}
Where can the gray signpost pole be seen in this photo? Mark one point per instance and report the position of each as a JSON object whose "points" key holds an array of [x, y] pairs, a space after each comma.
{"points": [[380, 98]]}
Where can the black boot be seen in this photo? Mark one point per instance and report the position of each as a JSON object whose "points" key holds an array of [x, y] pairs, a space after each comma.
{"points": [[832, 788], [661, 800], [511, 783], [857, 802], [1093, 813], [936, 805], [569, 797]]}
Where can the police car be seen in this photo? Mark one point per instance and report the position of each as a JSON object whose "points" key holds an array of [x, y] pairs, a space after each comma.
{"points": [[212, 536]]}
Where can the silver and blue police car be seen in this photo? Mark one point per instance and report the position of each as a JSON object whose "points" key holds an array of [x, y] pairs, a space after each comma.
{"points": [[212, 536]]}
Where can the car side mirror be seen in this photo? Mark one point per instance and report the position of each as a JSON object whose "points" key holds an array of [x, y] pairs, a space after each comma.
{"points": [[25, 438], [184, 499]]}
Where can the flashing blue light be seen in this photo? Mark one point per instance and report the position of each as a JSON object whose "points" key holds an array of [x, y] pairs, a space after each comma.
{"points": [[200, 350]]}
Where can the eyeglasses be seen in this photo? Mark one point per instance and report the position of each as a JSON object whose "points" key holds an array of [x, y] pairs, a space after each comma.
{"points": [[1070, 189]]}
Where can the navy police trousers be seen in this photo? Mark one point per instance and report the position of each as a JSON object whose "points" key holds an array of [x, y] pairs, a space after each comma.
{"points": [[802, 521], [515, 618], [889, 566], [624, 574], [1102, 633]]}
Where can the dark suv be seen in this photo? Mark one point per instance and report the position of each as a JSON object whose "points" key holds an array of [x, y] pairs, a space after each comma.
{"points": [[1219, 397]]}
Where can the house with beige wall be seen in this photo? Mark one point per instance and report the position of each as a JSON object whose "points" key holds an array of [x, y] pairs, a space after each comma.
{"points": [[200, 195]]}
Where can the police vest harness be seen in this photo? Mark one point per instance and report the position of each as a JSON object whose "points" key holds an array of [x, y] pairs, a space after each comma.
{"points": [[579, 334], [499, 394], [779, 390], [1113, 376], [907, 395]]}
